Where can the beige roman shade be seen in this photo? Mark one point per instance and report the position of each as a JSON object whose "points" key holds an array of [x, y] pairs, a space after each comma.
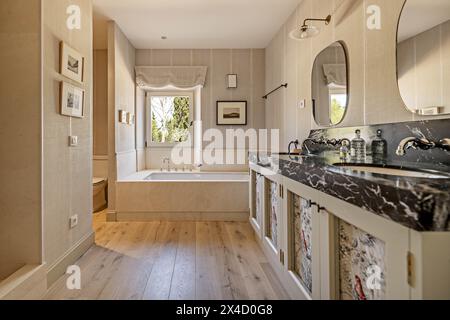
{"points": [[179, 77], [335, 74]]}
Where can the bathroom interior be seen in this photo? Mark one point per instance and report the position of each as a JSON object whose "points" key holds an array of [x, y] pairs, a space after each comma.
{"points": [[226, 150]]}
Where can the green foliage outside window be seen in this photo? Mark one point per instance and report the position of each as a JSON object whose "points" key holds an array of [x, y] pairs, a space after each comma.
{"points": [[337, 111], [170, 119]]}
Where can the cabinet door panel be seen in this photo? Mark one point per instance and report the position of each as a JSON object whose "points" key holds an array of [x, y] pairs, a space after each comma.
{"points": [[364, 256], [362, 268], [256, 201], [303, 242], [273, 212]]}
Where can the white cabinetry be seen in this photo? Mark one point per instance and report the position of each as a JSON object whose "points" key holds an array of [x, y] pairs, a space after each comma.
{"points": [[324, 248]]}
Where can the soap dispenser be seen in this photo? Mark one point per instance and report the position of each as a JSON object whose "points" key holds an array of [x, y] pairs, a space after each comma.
{"points": [[379, 148], [358, 148]]}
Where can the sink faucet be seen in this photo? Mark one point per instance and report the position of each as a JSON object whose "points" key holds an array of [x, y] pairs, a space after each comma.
{"points": [[295, 143], [331, 142], [421, 143]]}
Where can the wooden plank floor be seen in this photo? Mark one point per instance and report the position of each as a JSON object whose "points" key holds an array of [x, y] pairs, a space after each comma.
{"points": [[173, 260]]}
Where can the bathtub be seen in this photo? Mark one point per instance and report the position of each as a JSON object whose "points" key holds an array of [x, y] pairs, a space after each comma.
{"points": [[183, 196]]}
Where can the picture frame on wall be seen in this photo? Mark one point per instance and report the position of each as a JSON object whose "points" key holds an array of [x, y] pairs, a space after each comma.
{"points": [[123, 117], [232, 81], [71, 63], [130, 118], [72, 100], [231, 113]]}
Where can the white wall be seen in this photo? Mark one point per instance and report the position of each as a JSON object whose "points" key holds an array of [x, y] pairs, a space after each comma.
{"points": [[67, 175], [121, 96], [374, 94]]}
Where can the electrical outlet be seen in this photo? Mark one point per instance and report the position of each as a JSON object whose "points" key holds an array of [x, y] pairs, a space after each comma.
{"points": [[302, 104], [73, 141], [73, 222]]}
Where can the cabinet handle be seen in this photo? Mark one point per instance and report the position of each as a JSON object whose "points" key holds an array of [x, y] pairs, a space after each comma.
{"points": [[314, 204]]}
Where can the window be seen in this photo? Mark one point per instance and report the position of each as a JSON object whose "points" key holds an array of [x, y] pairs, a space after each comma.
{"points": [[171, 116], [338, 104]]}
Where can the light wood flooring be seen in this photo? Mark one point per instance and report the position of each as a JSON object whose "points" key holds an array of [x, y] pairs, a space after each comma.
{"points": [[175, 261]]}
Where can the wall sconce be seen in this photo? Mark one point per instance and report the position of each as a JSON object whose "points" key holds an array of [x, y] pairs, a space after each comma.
{"points": [[308, 31]]}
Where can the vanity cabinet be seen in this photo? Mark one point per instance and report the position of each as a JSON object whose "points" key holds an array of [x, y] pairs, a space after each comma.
{"points": [[324, 248]]}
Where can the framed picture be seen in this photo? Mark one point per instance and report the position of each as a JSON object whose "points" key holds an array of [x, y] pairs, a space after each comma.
{"points": [[232, 81], [72, 100], [72, 63], [123, 117], [231, 113], [130, 118]]}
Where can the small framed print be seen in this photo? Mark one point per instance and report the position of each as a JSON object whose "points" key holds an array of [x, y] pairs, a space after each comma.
{"points": [[130, 118], [72, 63], [232, 81], [231, 113], [72, 100], [123, 117]]}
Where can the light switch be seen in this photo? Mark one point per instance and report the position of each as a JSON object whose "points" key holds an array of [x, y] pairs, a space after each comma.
{"points": [[302, 104], [73, 221], [73, 141]]}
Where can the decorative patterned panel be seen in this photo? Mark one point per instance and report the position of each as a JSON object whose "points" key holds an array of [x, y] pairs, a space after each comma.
{"points": [[361, 264], [303, 241], [272, 230], [258, 194]]}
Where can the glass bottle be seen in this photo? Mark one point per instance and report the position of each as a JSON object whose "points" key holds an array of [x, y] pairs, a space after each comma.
{"points": [[379, 148], [344, 150], [358, 148]]}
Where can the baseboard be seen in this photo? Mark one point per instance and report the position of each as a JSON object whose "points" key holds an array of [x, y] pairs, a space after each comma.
{"points": [[59, 268], [182, 216], [29, 283], [111, 216]]}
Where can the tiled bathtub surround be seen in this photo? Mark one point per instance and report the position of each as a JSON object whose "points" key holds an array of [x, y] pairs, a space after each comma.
{"points": [[417, 203]]}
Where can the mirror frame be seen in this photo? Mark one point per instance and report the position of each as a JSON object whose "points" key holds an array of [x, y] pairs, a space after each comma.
{"points": [[347, 67]]}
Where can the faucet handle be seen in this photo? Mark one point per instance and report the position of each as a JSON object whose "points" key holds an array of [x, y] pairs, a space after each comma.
{"points": [[444, 144]]}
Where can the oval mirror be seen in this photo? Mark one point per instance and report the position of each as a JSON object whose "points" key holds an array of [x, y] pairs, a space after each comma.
{"points": [[423, 56], [330, 85]]}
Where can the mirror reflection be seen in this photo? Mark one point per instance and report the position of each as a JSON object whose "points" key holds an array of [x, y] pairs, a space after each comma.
{"points": [[329, 85], [423, 56]]}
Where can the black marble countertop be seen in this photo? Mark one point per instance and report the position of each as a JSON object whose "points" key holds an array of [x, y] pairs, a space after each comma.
{"points": [[421, 204]]}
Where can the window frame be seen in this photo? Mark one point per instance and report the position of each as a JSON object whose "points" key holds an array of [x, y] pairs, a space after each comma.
{"points": [[178, 93], [336, 91]]}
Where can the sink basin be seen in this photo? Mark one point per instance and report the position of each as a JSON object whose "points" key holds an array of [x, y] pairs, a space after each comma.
{"points": [[392, 171]]}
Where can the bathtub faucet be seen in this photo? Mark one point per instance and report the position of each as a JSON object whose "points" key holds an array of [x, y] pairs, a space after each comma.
{"points": [[166, 160]]}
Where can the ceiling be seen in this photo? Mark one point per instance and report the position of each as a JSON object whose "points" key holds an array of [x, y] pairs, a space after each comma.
{"points": [[193, 24], [421, 15]]}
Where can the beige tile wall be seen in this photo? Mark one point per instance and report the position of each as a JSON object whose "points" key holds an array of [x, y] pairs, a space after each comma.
{"points": [[374, 94], [67, 176], [248, 64], [20, 135]]}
